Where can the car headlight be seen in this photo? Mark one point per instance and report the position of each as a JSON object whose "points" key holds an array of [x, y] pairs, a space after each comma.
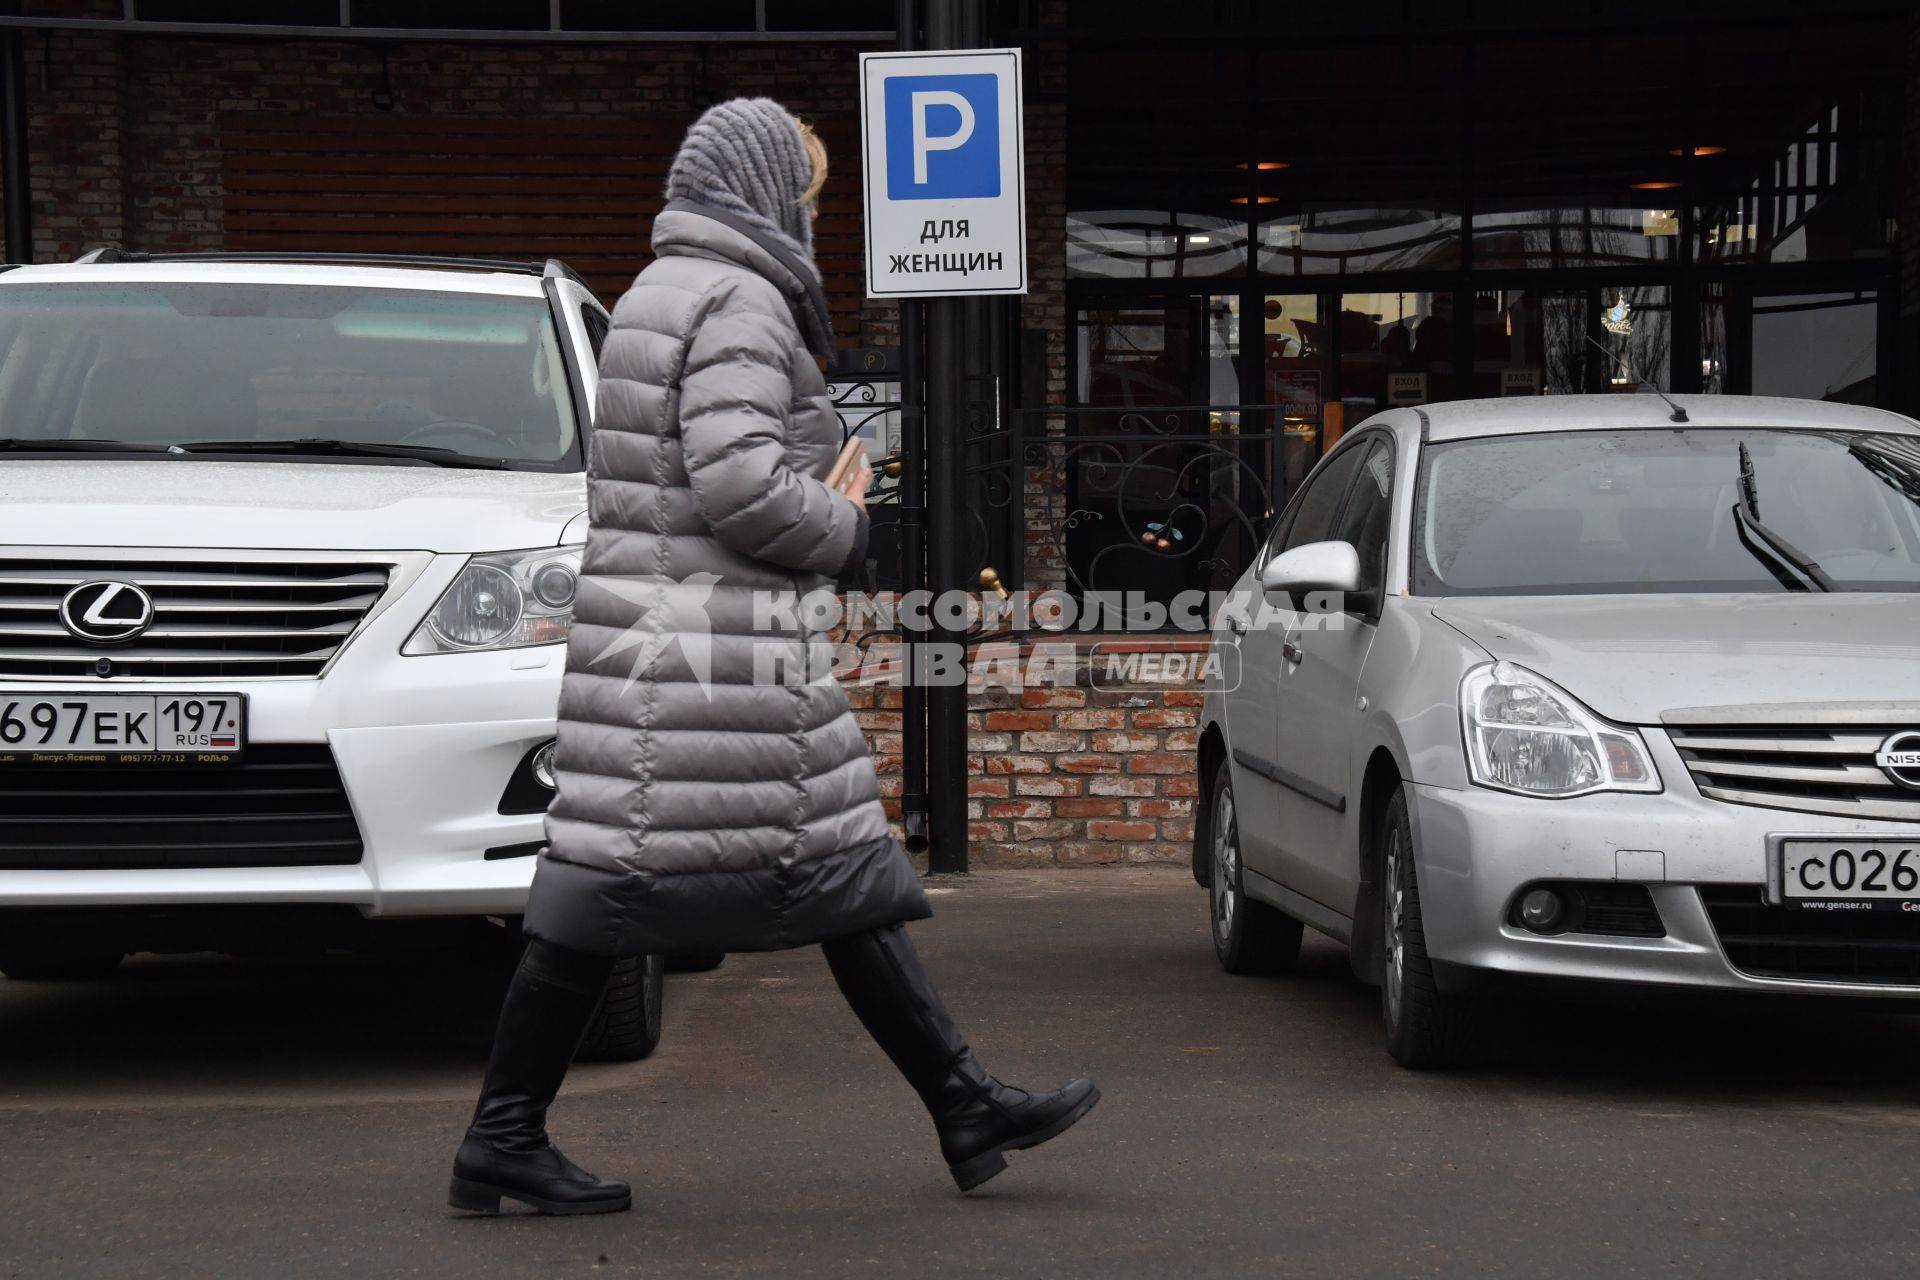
{"points": [[1529, 736], [507, 600]]}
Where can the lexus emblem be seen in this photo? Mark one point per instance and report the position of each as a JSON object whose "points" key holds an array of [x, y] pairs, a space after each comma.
{"points": [[109, 612], [1900, 757]]}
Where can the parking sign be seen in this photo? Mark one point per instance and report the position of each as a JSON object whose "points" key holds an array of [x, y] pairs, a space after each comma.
{"points": [[944, 174]]}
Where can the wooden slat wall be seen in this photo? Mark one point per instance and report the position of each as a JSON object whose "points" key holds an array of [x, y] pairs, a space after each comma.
{"points": [[582, 191]]}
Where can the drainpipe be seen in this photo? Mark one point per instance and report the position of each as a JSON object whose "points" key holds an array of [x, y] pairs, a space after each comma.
{"points": [[16, 186]]}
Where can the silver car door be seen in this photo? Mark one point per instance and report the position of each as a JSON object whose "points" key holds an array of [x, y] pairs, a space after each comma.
{"points": [[1253, 710], [1318, 700]]}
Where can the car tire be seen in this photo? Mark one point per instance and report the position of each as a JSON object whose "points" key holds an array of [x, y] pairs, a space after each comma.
{"points": [[1248, 937], [1427, 1030], [695, 961], [51, 960], [626, 1025]]}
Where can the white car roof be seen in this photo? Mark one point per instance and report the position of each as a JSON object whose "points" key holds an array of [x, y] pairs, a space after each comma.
{"points": [[350, 275], [1529, 415]]}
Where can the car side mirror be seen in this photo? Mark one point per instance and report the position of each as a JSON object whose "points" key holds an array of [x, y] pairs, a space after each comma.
{"points": [[1317, 566]]}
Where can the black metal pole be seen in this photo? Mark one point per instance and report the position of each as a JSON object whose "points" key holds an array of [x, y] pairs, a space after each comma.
{"points": [[946, 576], [947, 22], [16, 186], [913, 514]]}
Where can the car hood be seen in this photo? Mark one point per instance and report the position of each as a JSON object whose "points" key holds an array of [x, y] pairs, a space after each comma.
{"points": [[1700, 659], [282, 505]]}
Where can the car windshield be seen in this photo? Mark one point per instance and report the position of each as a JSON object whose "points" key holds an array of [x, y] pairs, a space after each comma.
{"points": [[156, 364], [1594, 512]]}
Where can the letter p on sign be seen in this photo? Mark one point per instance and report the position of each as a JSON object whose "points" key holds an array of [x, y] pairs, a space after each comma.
{"points": [[943, 137]]}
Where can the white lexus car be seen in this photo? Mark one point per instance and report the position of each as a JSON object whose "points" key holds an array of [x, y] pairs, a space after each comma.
{"points": [[287, 556], [1603, 689]]}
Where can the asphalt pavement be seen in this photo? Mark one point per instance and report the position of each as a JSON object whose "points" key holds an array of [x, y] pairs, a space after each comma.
{"points": [[212, 1118]]}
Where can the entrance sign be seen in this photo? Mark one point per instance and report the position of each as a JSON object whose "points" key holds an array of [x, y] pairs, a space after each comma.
{"points": [[1406, 388], [1520, 382], [944, 173]]}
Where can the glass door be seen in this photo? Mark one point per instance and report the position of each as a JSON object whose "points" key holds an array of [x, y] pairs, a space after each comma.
{"points": [[1817, 346], [1160, 498]]}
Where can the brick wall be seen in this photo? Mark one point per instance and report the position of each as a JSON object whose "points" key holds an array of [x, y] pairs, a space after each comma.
{"points": [[1075, 773]]}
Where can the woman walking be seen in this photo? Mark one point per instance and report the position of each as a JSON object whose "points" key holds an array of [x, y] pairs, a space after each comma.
{"points": [[715, 792]]}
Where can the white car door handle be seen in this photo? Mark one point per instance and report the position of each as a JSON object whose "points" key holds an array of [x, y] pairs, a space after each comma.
{"points": [[1236, 624], [1293, 653]]}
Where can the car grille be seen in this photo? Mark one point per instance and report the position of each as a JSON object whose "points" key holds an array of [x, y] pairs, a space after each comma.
{"points": [[211, 619], [1806, 770], [278, 806], [1771, 941]]}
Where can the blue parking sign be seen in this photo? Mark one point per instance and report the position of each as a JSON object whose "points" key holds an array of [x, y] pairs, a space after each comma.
{"points": [[943, 137], [943, 173]]}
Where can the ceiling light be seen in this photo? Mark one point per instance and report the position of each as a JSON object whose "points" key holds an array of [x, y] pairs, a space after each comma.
{"points": [[1698, 151], [1662, 185], [1265, 166], [1200, 239], [1255, 200]]}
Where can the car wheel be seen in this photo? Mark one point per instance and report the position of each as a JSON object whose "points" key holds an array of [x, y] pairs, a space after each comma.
{"points": [[695, 961], [1426, 1030], [626, 1026], [44, 959], [1248, 936]]}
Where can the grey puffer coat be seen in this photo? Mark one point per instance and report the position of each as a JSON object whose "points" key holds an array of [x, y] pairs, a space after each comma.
{"points": [[714, 789]]}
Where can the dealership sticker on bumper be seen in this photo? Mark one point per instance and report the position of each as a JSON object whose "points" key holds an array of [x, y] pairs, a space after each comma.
{"points": [[120, 728], [1857, 875]]}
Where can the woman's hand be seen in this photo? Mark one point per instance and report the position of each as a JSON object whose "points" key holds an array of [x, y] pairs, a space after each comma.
{"points": [[856, 490]]}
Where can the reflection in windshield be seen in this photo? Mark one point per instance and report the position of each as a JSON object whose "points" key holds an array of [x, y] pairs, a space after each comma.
{"points": [[1655, 511], [159, 363]]}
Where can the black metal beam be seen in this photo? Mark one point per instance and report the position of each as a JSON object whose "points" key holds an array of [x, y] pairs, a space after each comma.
{"points": [[912, 527], [947, 25], [16, 184], [541, 35]]}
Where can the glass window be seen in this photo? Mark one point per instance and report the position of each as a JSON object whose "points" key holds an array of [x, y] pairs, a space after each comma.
{"points": [[1638, 512], [1636, 331], [1312, 515], [1322, 239], [1819, 194], [1529, 343], [1395, 348], [598, 326], [1715, 371], [1368, 515], [1297, 368], [1139, 244], [1818, 346], [181, 363], [1510, 237]]}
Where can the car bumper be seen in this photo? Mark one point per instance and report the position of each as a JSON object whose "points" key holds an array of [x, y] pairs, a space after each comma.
{"points": [[1477, 849], [425, 747]]}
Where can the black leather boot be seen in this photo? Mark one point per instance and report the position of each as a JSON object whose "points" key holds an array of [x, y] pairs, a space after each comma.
{"points": [[506, 1152], [978, 1118]]}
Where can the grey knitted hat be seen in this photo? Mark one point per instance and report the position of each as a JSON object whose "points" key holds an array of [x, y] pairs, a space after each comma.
{"points": [[746, 156]]}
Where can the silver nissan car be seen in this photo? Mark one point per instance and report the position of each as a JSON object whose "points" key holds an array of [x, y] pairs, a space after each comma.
{"points": [[1611, 688]]}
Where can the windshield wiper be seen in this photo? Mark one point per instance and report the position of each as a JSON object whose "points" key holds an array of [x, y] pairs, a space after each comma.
{"points": [[433, 454], [18, 444], [1774, 551], [1899, 474]]}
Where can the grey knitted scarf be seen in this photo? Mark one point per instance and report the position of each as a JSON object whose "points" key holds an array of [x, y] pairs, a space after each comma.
{"points": [[746, 157], [744, 163]]}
